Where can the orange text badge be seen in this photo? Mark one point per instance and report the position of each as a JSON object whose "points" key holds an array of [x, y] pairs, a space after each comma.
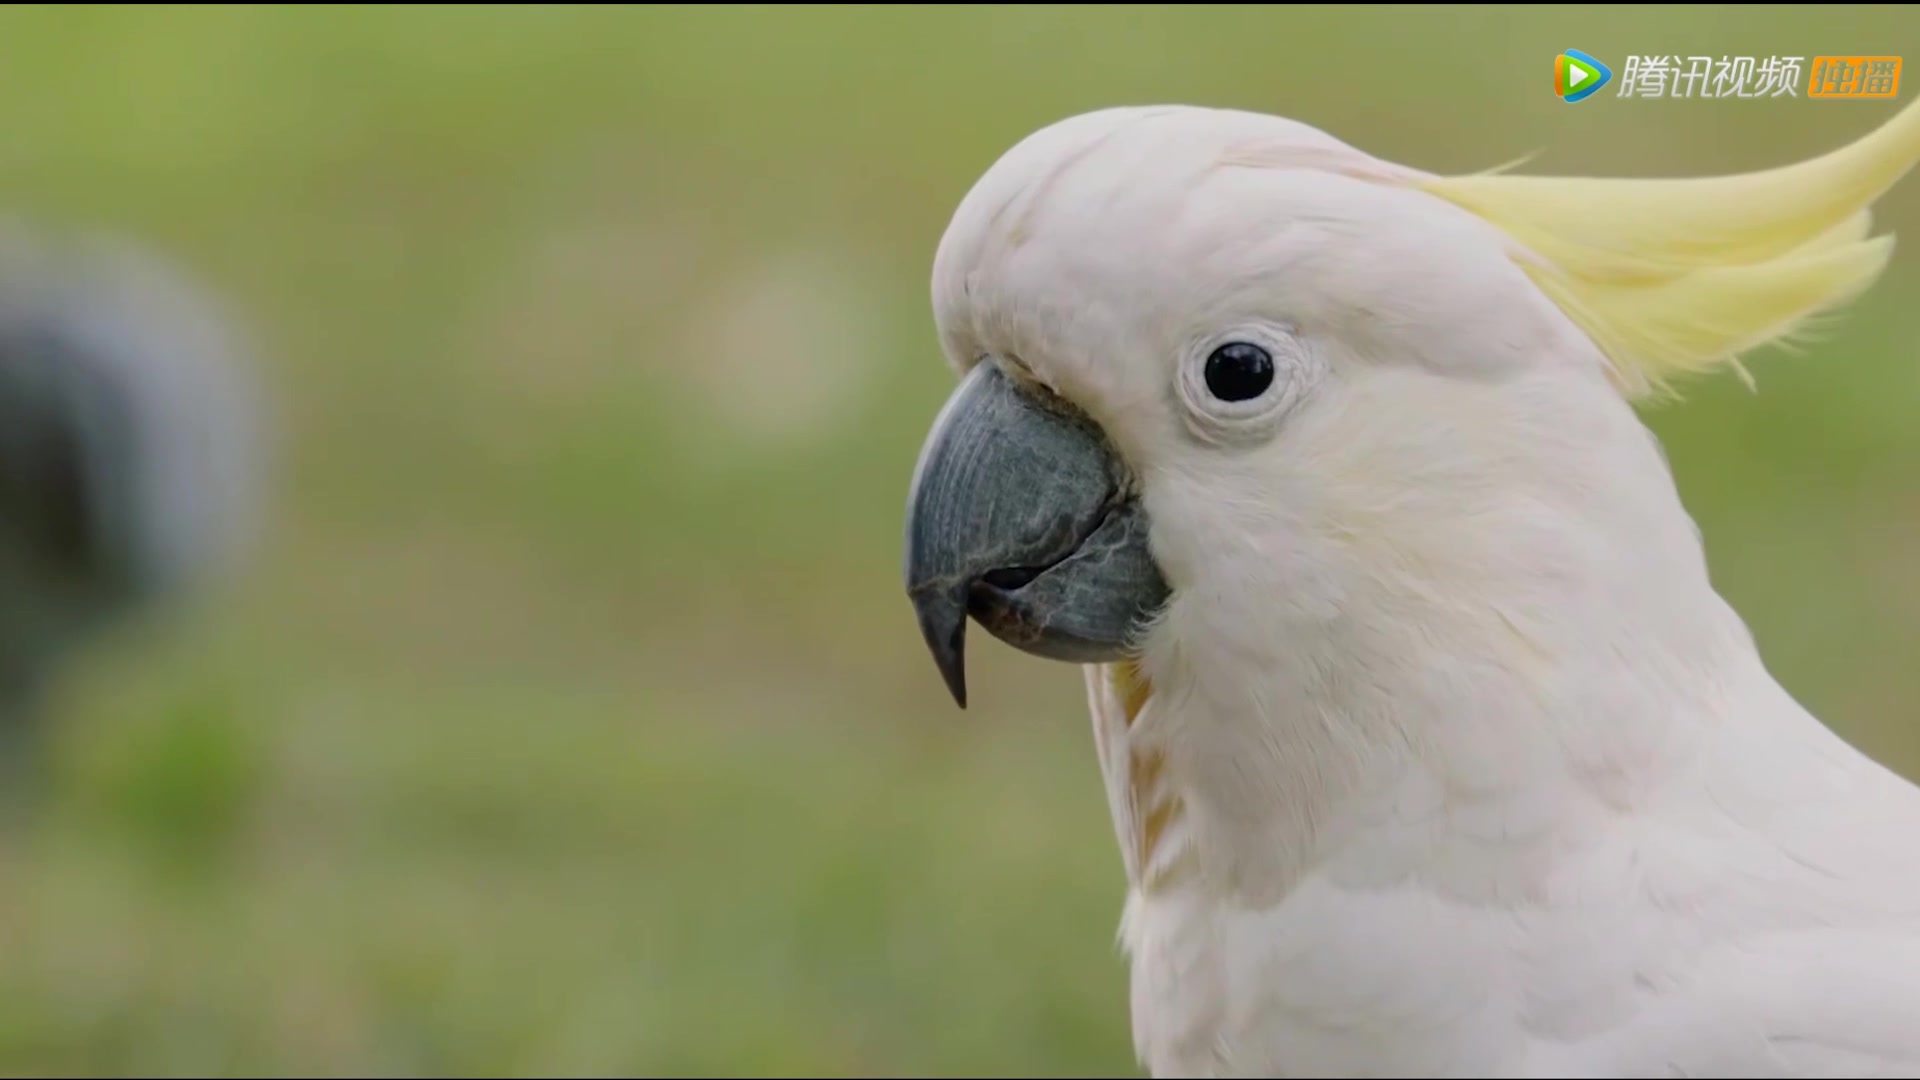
{"points": [[1854, 77]]}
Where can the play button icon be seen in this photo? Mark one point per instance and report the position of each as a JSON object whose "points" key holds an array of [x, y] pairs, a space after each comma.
{"points": [[1577, 75]]}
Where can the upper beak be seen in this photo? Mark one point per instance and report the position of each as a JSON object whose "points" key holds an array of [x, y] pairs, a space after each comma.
{"points": [[1022, 516]]}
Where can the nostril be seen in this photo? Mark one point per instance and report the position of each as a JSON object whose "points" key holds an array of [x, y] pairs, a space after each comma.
{"points": [[1012, 578]]}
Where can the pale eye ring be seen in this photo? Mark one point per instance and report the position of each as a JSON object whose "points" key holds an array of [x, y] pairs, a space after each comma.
{"points": [[1236, 383]]}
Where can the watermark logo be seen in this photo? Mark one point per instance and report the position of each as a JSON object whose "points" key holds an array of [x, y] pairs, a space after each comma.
{"points": [[1577, 75], [1703, 76], [1851, 77]]}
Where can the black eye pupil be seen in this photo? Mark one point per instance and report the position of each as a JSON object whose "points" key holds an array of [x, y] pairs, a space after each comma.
{"points": [[1239, 371]]}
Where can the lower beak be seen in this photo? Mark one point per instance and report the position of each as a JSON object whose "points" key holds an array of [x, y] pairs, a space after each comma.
{"points": [[1022, 515]]}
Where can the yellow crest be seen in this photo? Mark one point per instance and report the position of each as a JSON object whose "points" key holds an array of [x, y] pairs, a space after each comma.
{"points": [[1677, 277]]}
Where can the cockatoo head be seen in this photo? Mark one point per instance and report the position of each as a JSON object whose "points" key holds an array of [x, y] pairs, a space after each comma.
{"points": [[1221, 369]]}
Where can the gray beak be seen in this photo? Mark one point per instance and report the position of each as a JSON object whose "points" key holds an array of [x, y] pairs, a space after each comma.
{"points": [[1022, 516]]}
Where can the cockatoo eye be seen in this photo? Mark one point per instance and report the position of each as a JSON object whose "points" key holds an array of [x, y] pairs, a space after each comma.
{"points": [[1239, 371], [1237, 382]]}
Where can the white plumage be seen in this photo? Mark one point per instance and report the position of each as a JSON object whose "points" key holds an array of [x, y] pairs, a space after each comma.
{"points": [[1445, 757]]}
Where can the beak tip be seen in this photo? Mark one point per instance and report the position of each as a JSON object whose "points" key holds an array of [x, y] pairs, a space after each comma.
{"points": [[957, 683], [950, 657], [943, 623]]}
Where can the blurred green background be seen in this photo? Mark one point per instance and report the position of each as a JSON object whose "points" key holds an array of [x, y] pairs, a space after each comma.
{"points": [[573, 720]]}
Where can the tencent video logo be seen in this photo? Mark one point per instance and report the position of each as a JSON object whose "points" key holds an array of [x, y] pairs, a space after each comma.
{"points": [[1577, 75]]}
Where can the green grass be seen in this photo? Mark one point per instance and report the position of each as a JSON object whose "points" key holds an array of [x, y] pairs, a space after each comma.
{"points": [[573, 721]]}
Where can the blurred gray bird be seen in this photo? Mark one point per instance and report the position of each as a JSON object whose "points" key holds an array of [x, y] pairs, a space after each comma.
{"points": [[130, 443]]}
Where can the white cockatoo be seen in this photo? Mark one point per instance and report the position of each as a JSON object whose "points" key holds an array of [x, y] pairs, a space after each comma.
{"points": [[1431, 748], [131, 444]]}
